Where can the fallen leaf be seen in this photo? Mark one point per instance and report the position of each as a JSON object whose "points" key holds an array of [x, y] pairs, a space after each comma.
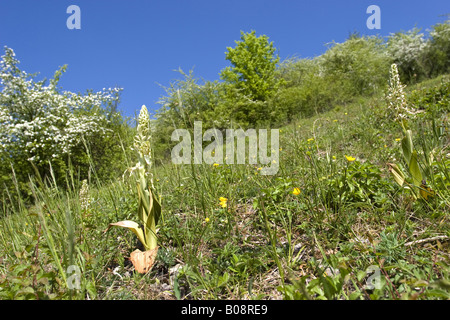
{"points": [[143, 260]]}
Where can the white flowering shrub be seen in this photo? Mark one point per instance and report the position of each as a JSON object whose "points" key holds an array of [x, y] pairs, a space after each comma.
{"points": [[407, 50], [38, 120], [40, 123], [420, 56]]}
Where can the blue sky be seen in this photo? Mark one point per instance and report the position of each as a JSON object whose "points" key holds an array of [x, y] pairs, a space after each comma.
{"points": [[137, 44]]}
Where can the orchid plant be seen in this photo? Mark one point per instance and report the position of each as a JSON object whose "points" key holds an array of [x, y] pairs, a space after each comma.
{"points": [[149, 209]]}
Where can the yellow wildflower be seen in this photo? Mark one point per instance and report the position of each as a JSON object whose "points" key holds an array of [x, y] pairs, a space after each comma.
{"points": [[215, 165], [350, 158], [296, 191], [223, 202]]}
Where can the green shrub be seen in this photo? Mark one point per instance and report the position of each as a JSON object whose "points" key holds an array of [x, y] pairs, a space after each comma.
{"points": [[435, 100], [358, 66]]}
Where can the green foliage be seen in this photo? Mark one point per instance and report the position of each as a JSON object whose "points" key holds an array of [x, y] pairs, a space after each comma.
{"points": [[187, 101], [435, 100], [390, 247], [359, 184], [27, 280], [345, 71], [250, 81], [438, 51], [337, 279], [357, 67], [252, 72], [306, 92]]}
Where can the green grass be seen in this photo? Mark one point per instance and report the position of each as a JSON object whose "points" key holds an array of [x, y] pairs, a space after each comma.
{"points": [[350, 218]]}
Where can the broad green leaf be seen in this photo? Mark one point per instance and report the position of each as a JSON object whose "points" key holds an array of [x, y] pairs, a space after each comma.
{"points": [[223, 279], [156, 207], [360, 275], [354, 295], [133, 226], [421, 283], [398, 175], [25, 291], [141, 211], [329, 287], [438, 293], [176, 288], [415, 170], [144, 201], [152, 219], [407, 146]]}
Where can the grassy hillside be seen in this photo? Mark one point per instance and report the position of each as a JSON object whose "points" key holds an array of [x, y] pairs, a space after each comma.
{"points": [[333, 223]]}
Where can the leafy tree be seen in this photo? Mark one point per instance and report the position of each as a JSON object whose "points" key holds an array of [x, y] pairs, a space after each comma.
{"points": [[407, 49], [251, 79]]}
